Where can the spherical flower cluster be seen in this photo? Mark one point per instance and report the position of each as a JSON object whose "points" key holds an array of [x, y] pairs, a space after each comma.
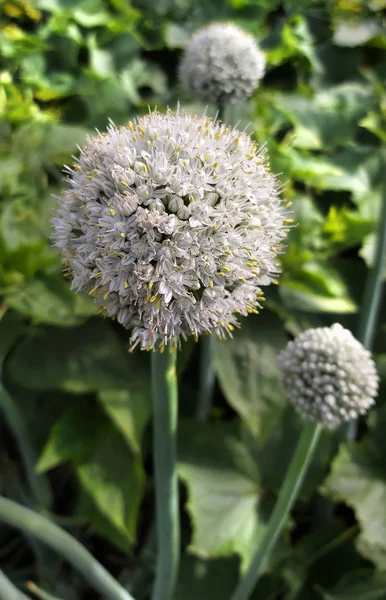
{"points": [[221, 64], [172, 223], [328, 375]]}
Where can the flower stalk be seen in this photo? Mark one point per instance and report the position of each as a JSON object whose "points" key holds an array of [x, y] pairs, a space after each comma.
{"points": [[372, 299], [165, 415], [63, 543], [287, 496], [8, 591]]}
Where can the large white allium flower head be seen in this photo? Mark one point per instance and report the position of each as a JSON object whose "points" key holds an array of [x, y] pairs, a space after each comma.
{"points": [[222, 63], [172, 223], [328, 375]]}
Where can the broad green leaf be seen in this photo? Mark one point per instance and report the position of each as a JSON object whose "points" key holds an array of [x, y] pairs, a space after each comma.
{"points": [[330, 117], [78, 360], [108, 471], [140, 74], [363, 584], [113, 477], [376, 123], [129, 409], [20, 225], [225, 500], [346, 228], [348, 169], [50, 300], [71, 437], [88, 510], [248, 373], [304, 297], [358, 479]]}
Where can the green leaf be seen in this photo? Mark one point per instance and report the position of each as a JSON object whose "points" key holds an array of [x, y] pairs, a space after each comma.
{"points": [[225, 503], [329, 118], [376, 123], [20, 225], [363, 584], [141, 74], [129, 410], [11, 327], [79, 360], [358, 479], [113, 477], [304, 297], [346, 228], [50, 300], [108, 471], [206, 579], [71, 437], [248, 374]]}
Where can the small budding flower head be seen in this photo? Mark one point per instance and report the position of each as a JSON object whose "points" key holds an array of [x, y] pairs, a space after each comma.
{"points": [[172, 224], [222, 63], [328, 375]]}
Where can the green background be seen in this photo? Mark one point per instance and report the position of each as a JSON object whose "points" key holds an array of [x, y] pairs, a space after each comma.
{"points": [[77, 405]]}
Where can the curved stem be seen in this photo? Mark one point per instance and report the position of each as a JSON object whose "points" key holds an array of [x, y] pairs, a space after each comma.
{"points": [[287, 496], [165, 416], [8, 591], [207, 377], [372, 299], [64, 544], [39, 593]]}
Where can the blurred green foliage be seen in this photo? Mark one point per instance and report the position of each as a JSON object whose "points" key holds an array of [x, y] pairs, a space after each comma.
{"points": [[83, 402]]}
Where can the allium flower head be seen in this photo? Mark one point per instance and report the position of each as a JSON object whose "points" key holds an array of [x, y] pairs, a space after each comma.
{"points": [[173, 223], [328, 375], [222, 63]]}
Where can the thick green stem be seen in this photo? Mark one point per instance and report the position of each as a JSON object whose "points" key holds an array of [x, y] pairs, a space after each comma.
{"points": [[8, 591], [287, 496], [372, 298], [165, 416], [373, 291], [64, 544], [207, 377]]}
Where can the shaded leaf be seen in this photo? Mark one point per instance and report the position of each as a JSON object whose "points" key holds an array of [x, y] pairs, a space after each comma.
{"points": [[50, 300], [364, 584], [330, 117], [248, 373], [225, 502], [77, 360], [108, 471], [358, 479], [129, 410], [206, 579]]}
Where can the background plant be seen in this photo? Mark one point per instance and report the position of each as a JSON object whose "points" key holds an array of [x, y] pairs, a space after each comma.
{"points": [[83, 403]]}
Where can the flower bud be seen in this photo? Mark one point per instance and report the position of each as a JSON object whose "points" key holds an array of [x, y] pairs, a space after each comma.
{"points": [[328, 375], [222, 63]]}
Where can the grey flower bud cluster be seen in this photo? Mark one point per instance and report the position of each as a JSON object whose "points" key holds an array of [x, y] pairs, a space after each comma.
{"points": [[172, 223], [222, 63], [328, 375]]}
